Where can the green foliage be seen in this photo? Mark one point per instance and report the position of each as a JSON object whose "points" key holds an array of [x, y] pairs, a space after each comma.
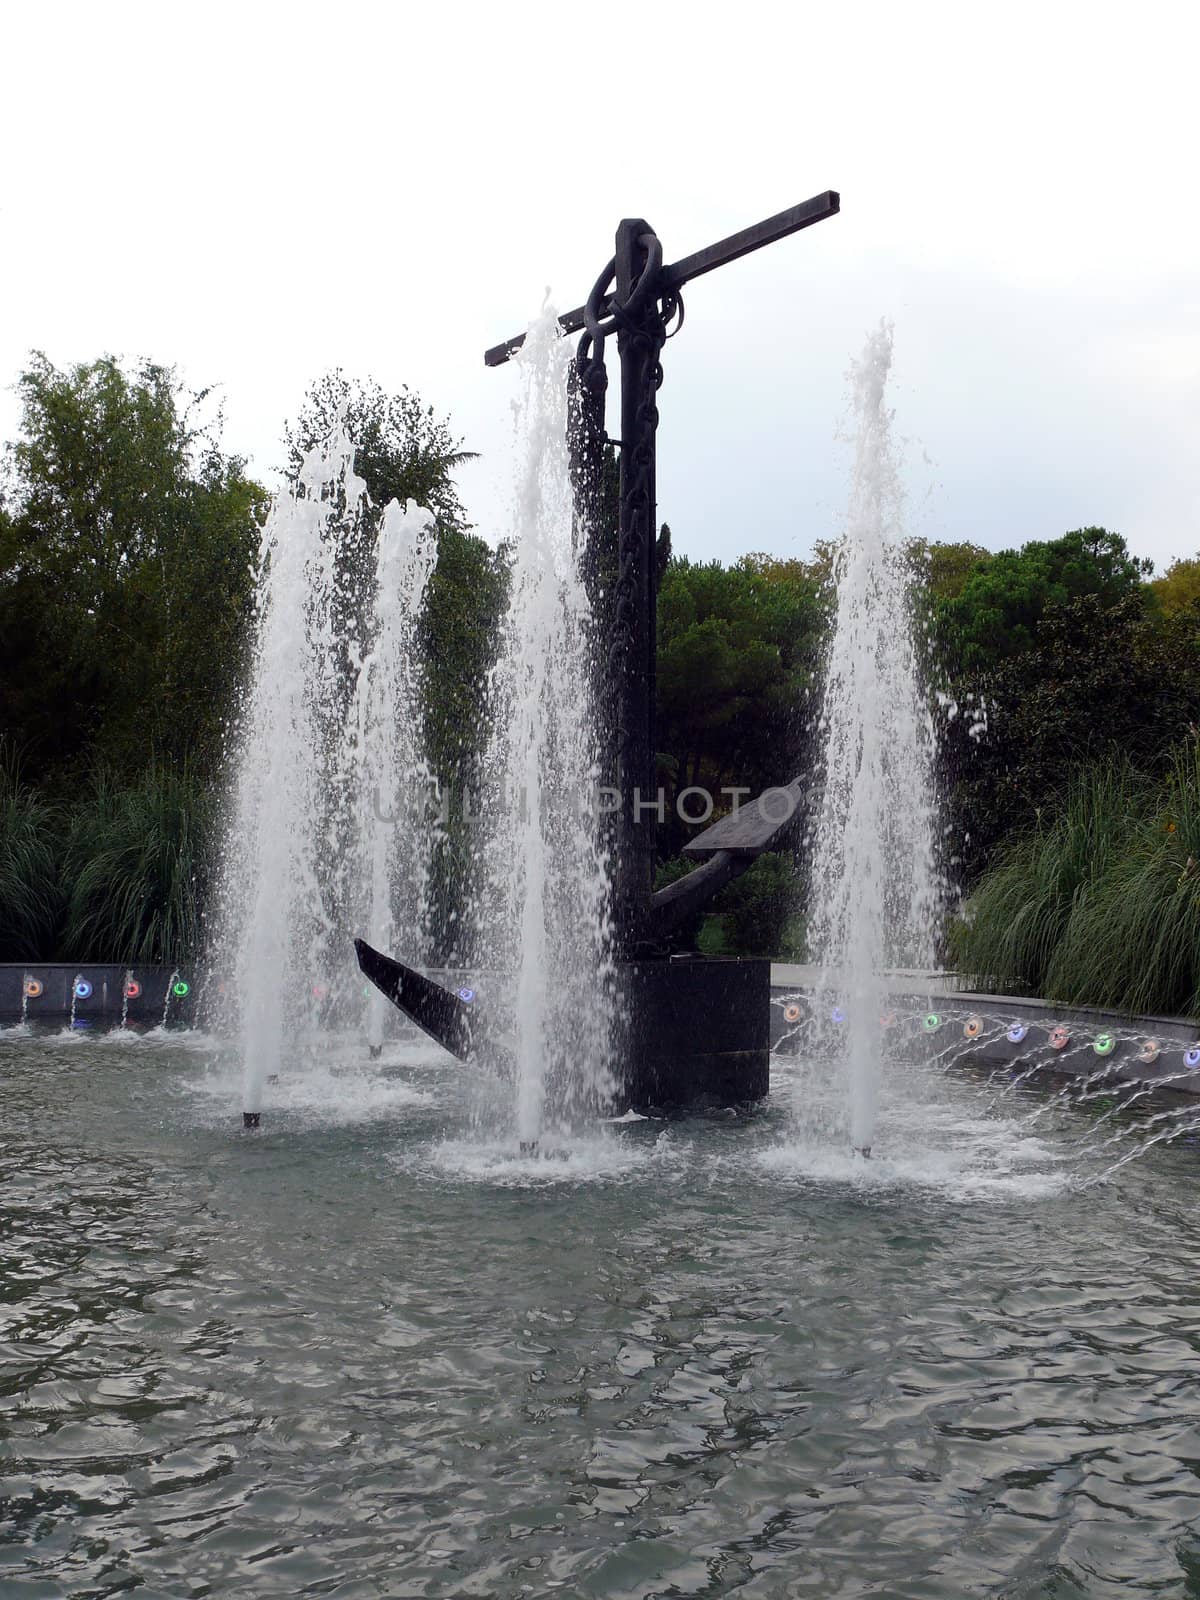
{"points": [[1100, 903], [1014, 923], [996, 611], [1096, 681], [458, 630], [758, 906], [687, 935], [31, 893], [403, 450], [1179, 587], [116, 873], [459, 627], [942, 571], [126, 572], [752, 916], [738, 659], [128, 543], [137, 862]]}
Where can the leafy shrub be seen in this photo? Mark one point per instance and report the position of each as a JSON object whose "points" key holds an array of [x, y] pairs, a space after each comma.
{"points": [[758, 906]]}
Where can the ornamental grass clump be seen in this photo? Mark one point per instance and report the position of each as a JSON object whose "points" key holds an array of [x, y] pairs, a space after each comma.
{"points": [[31, 888], [1099, 904], [137, 861], [1014, 923], [1133, 943]]}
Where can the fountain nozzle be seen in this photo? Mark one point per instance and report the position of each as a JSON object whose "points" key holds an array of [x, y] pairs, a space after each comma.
{"points": [[863, 1150], [528, 1147], [251, 1119]]}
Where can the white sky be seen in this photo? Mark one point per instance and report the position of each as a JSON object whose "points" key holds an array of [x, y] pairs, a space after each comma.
{"points": [[258, 192]]}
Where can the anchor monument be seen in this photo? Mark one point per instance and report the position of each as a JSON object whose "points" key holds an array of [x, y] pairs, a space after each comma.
{"points": [[694, 1029]]}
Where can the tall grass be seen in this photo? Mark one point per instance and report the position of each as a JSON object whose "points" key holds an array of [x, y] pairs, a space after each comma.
{"points": [[1100, 903], [31, 889], [137, 863]]}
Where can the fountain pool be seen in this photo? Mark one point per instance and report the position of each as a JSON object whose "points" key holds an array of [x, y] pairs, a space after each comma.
{"points": [[364, 1352]]}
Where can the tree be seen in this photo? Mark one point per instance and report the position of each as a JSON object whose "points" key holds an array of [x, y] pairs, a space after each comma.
{"points": [[738, 659], [127, 554], [942, 571], [1179, 587], [1099, 680], [402, 449], [997, 610]]}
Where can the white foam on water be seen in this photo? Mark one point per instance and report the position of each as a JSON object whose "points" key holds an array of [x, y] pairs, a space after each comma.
{"points": [[194, 1040], [999, 1165], [317, 1093], [572, 1158], [933, 1134], [419, 1054], [69, 1036]]}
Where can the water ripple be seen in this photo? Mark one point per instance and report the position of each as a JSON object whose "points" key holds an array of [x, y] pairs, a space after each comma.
{"points": [[370, 1355]]}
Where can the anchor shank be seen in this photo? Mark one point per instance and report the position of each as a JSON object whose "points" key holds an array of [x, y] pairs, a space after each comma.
{"points": [[633, 643]]}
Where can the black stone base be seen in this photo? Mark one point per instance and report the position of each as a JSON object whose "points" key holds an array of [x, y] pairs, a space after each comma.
{"points": [[696, 1035]]}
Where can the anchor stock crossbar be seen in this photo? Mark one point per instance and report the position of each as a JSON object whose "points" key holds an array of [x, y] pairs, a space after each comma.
{"points": [[673, 278]]}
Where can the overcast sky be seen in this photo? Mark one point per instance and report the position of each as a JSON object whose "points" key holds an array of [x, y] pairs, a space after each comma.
{"points": [[257, 192]]}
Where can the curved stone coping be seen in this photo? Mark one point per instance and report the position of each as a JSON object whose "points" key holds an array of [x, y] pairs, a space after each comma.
{"points": [[107, 999], [108, 980], [1084, 1025]]}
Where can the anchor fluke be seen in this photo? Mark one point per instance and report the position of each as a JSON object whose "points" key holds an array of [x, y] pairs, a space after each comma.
{"points": [[444, 1016]]}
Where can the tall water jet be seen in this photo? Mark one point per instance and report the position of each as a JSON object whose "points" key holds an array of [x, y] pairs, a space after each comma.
{"points": [[874, 881], [385, 774], [543, 919], [328, 730]]}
